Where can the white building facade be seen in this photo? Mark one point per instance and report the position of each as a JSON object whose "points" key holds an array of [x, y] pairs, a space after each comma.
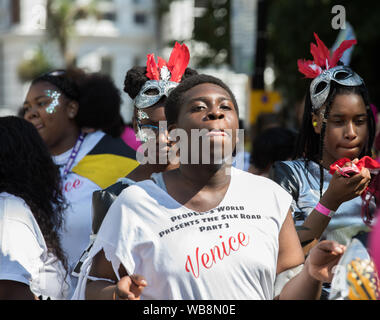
{"points": [[120, 40]]}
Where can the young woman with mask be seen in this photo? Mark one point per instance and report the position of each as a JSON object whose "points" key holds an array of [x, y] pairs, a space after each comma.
{"points": [[149, 87], [337, 123]]}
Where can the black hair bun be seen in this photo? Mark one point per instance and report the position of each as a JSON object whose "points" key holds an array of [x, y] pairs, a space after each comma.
{"points": [[134, 80]]}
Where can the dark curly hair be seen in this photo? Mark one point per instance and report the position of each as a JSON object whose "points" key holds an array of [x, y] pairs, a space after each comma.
{"points": [[136, 77], [98, 98], [100, 102], [174, 101], [28, 171]]}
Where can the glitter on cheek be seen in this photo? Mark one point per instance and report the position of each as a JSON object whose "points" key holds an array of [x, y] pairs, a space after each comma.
{"points": [[54, 104]]}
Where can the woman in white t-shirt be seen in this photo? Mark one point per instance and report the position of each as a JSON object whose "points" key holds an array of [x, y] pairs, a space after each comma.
{"points": [[204, 230], [63, 105], [32, 262]]}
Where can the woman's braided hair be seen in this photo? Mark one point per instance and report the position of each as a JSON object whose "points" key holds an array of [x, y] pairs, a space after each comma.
{"points": [[310, 145]]}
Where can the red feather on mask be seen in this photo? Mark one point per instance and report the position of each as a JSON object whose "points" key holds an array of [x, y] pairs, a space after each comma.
{"points": [[178, 61], [338, 53], [322, 59], [308, 68], [320, 53], [161, 63], [151, 68]]}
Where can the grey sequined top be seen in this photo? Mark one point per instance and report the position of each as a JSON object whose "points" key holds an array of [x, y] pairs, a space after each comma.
{"points": [[303, 184]]}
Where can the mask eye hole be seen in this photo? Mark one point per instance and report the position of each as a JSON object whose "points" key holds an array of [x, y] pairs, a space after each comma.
{"points": [[152, 92], [320, 87], [341, 75]]}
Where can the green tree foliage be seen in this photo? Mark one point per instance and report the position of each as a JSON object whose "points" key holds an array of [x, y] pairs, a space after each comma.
{"points": [[61, 18], [213, 28], [30, 68]]}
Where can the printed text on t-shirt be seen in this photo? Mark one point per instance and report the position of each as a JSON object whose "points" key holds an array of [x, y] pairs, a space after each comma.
{"points": [[216, 253], [209, 220]]}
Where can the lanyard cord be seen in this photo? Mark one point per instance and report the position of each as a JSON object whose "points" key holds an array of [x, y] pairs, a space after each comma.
{"points": [[73, 154]]}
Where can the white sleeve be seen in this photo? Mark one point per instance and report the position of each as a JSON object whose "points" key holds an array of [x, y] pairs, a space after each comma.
{"points": [[116, 238], [284, 201], [118, 234], [19, 251]]}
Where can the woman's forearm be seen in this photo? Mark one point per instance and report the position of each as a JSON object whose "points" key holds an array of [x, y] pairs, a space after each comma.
{"points": [[316, 223], [313, 227], [100, 290], [302, 287]]}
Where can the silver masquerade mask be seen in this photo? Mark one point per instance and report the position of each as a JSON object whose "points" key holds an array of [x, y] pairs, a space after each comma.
{"points": [[152, 91], [320, 86]]}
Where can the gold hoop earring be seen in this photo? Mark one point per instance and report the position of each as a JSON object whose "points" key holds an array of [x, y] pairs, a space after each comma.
{"points": [[315, 123]]}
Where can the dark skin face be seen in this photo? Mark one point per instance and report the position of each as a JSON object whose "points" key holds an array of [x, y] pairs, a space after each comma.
{"points": [[347, 129], [209, 107], [156, 114], [201, 187], [58, 129]]}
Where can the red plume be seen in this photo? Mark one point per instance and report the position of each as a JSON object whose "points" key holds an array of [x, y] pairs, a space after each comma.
{"points": [[151, 68], [161, 63], [178, 61], [322, 59], [308, 68], [320, 52], [338, 53]]}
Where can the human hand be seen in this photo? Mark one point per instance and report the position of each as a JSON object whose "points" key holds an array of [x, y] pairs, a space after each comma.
{"points": [[342, 189], [322, 259], [130, 288]]}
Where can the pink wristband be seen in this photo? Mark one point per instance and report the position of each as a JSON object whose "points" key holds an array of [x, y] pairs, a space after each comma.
{"points": [[322, 209]]}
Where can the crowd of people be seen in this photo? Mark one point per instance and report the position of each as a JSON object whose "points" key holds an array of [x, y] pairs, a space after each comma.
{"points": [[81, 217]]}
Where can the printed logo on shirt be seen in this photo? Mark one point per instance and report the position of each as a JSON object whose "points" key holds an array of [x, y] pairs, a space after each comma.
{"points": [[215, 254]]}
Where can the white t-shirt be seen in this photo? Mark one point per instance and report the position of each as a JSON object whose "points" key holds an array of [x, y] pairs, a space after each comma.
{"points": [[23, 252], [78, 192], [229, 252]]}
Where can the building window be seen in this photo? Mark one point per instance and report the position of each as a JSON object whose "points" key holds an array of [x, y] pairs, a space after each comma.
{"points": [[15, 9], [111, 16], [107, 9], [140, 18], [106, 65]]}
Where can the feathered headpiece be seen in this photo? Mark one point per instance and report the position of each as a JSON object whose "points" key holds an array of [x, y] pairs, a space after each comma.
{"points": [[322, 58], [164, 76], [172, 70], [324, 69]]}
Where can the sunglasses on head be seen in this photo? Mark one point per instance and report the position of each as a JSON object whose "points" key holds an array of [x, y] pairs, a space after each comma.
{"points": [[55, 73]]}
